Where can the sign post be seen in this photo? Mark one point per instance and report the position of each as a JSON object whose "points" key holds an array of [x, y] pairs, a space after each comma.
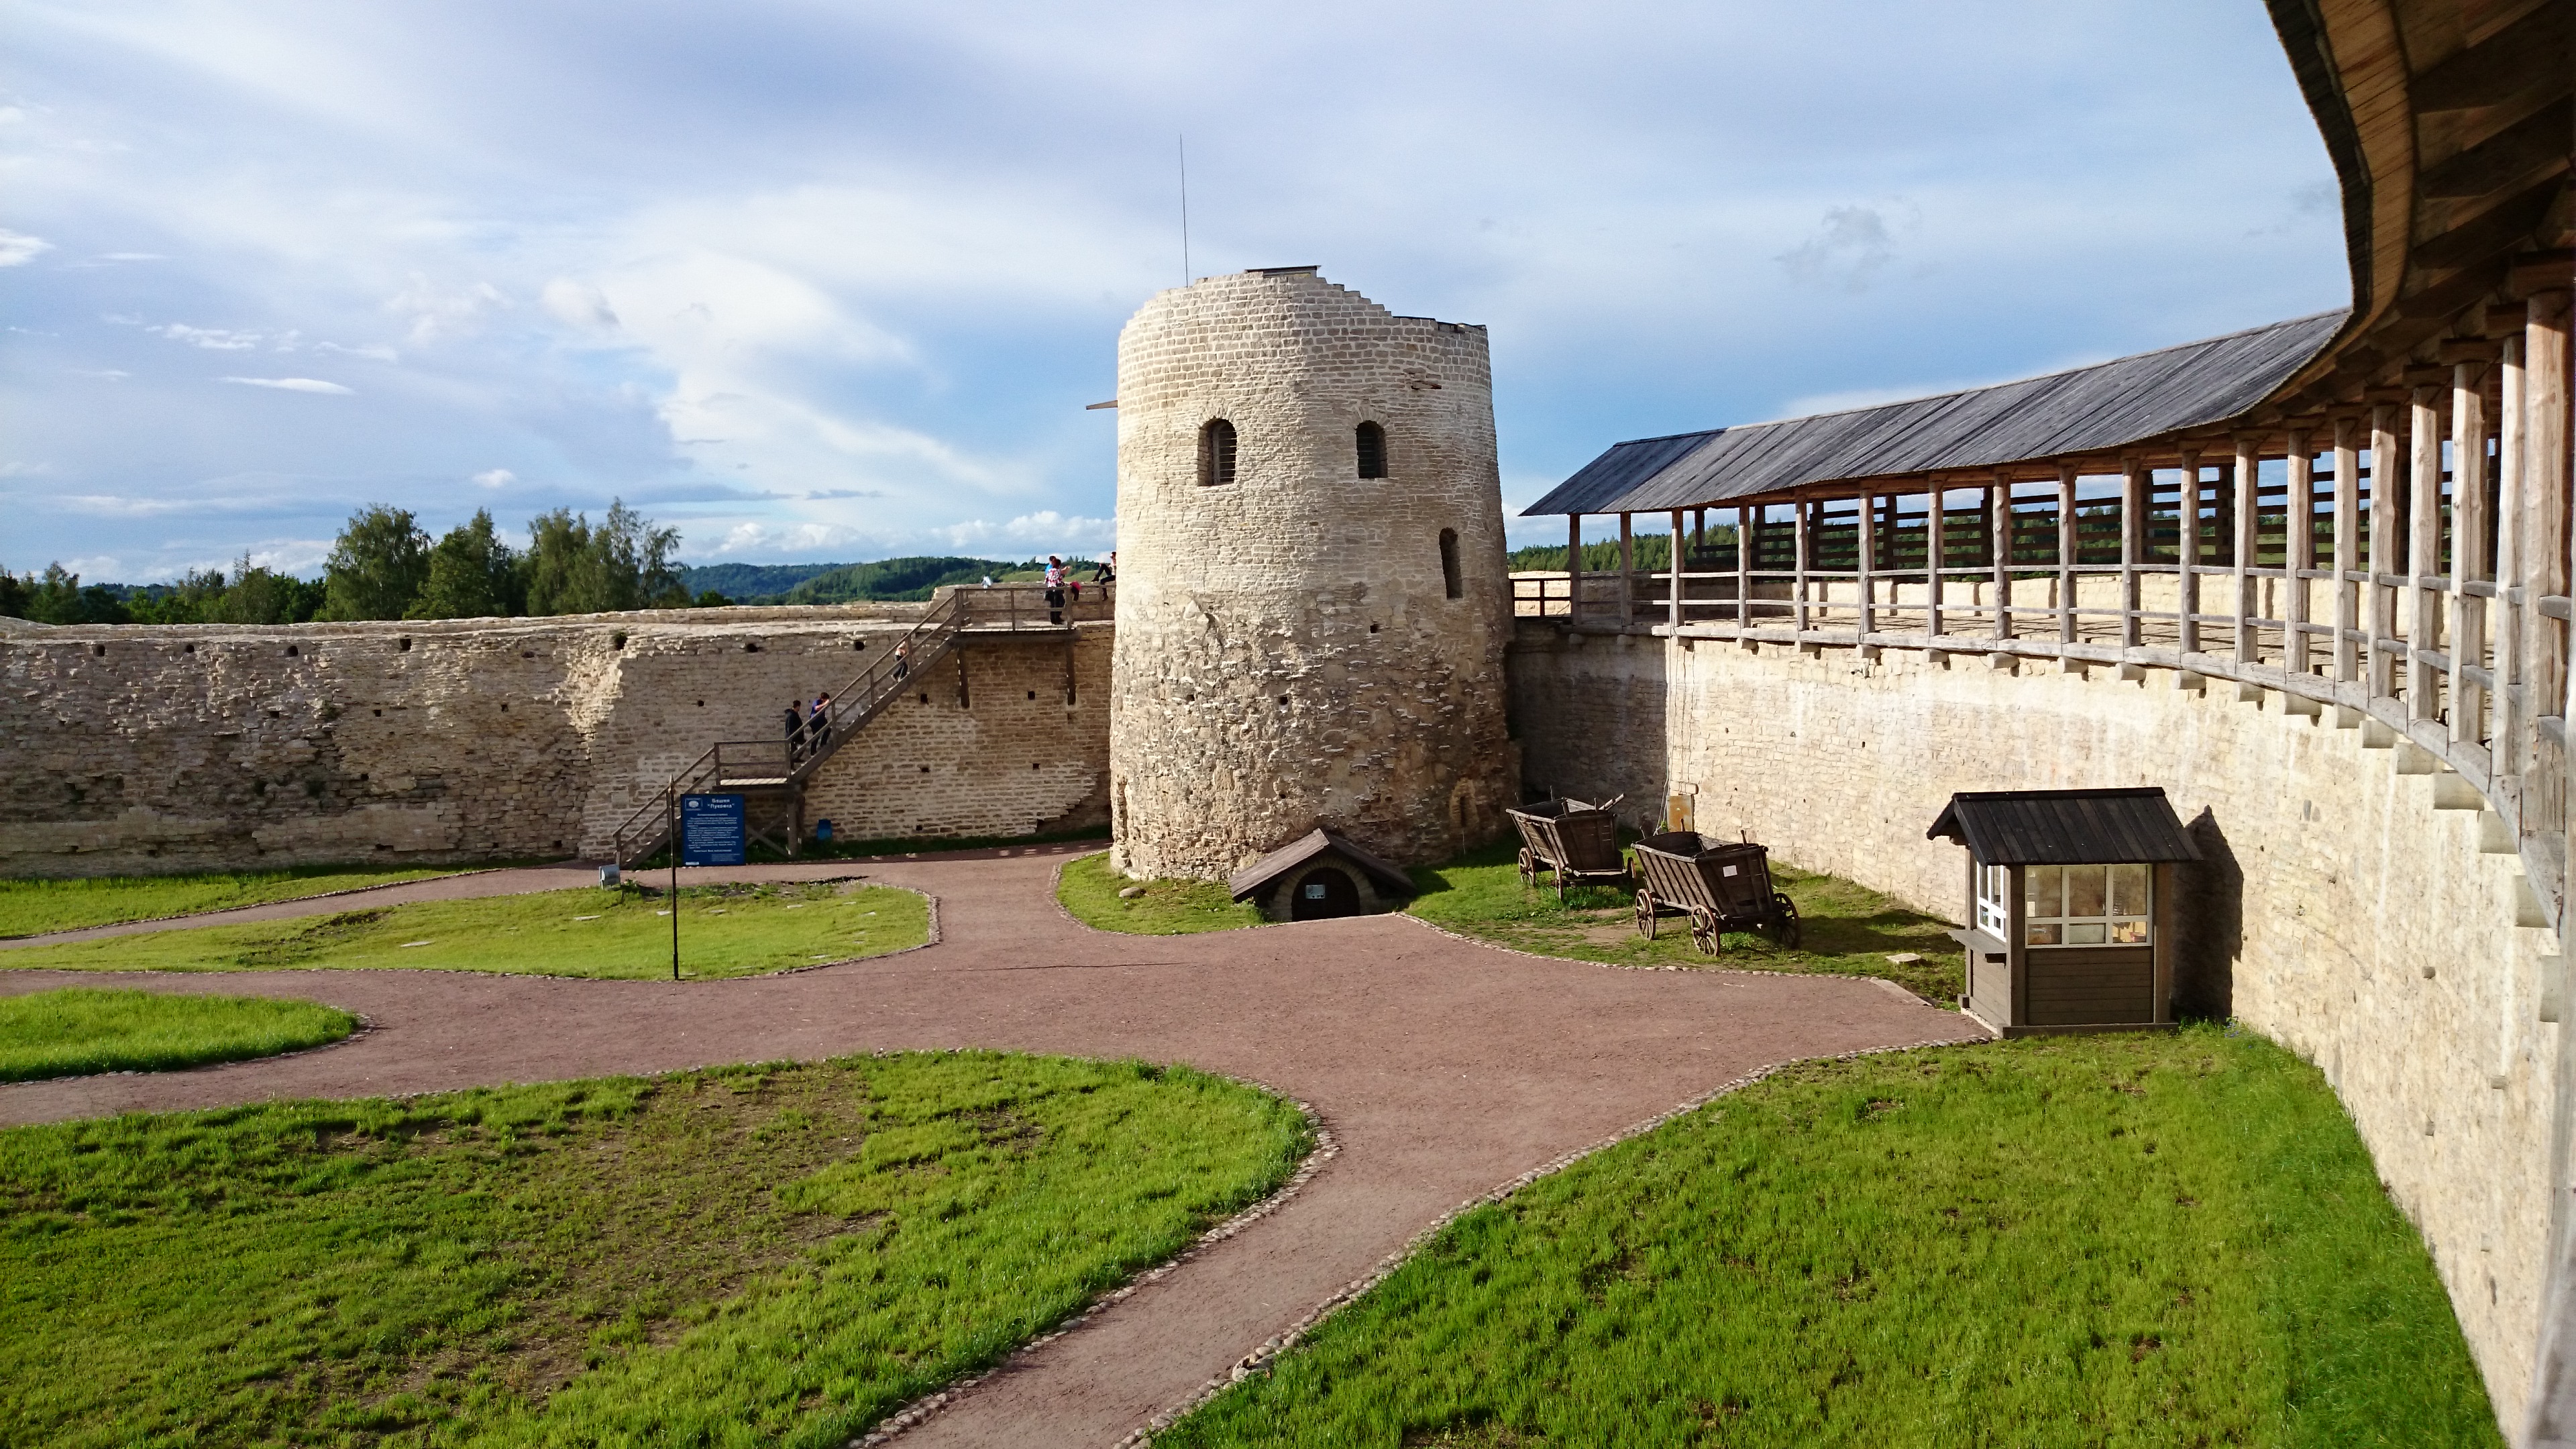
{"points": [[706, 830]]}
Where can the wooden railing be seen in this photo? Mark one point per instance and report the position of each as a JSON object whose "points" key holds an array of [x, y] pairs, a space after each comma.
{"points": [[2434, 608], [773, 765]]}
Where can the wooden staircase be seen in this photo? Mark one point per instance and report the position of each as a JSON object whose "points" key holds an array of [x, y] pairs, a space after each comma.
{"points": [[772, 779]]}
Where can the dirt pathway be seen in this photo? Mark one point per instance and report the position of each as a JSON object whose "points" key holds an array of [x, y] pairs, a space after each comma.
{"points": [[1444, 1069]]}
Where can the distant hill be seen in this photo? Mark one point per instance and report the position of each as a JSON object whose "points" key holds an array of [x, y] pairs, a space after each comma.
{"points": [[750, 582], [891, 578]]}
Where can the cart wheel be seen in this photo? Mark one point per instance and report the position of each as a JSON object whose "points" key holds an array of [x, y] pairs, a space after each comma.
{"points": [[1646, 914], [1529, 868], [1705, 932], [1784, 920]]}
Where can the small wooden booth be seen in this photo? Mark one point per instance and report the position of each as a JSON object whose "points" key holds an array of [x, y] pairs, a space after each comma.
{"points": [[1320, 875], [2071, 906]]}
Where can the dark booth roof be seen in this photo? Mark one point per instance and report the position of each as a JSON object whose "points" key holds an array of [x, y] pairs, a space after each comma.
{"points": [[2091, 409], [2064, 827], [1253, 877]]}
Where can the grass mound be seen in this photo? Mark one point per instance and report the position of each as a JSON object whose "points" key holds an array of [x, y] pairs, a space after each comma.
{"points": [[35, 907], [751, 1255], [2133, 1240], [731, 930], [78, 1031], [1850, 929], [1089, 889]]}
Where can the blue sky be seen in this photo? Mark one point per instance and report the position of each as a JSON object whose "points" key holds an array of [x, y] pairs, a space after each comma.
{"points": [[831, 281]]}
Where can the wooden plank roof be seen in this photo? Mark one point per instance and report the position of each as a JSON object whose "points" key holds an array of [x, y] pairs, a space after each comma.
{"points": [[2088, 409], [2065, 827], [1252, 878]]}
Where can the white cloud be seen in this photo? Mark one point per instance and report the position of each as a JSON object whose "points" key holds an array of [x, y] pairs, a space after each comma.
{"points": [[216, 339], [578, 304], [445, 312], [110, 374], [373, 352], [1043, 531], [17, 249], [496, 478], [25, 470], [292, 384], [133, 257], [1852, 246]]}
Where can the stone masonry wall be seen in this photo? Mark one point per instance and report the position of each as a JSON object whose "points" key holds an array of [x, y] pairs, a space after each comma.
{"points": [[1288, 655], [2347, 908], [173, 748]]}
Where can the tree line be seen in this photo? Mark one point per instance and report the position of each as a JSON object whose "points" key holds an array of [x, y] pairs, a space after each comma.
{"points": [[384, 565]]}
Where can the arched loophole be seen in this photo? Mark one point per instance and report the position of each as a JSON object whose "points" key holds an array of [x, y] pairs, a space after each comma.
{"points": [[1216, 453], [1372, 450]]}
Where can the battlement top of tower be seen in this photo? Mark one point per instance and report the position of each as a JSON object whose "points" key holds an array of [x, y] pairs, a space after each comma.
{"points": [[1263, 278]]}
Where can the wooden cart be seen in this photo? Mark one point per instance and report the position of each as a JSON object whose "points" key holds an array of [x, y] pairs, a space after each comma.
{"points": [[1720, 886], [1571, 841]]}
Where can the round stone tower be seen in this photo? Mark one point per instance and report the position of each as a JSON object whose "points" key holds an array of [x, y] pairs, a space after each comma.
{"points": [[1312, 595]]}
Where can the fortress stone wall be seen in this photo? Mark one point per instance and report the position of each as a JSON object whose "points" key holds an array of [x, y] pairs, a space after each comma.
{"points": [[1293, 648], [2351, 910], [171, 748]]}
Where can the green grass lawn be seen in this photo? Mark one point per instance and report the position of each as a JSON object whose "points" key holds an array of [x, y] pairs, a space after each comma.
{"points": [[77, 1031], [2146, 1240], [34, 907], [1850, 929], [1089, 889], [731, 930], [742, 1256]]}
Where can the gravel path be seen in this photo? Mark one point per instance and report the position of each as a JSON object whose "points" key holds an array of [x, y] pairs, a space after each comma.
{"points": [[1443, 1068]]}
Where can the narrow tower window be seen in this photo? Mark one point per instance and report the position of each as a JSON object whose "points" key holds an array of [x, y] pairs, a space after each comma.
{"points": [[1372, 441], [1449, 564], [1216, 453]]}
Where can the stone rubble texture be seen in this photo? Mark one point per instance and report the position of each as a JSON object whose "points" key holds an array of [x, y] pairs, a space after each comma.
{"points": [[2341, 910], [202, 747], [1286, 654]]}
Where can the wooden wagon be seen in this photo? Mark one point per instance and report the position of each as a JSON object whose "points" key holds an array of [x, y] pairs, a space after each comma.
{"points": [[1719, 886], [1571, 841]]}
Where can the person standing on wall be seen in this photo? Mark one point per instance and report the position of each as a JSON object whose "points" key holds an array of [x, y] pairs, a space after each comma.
{"points": [[1055, 589], [1107, 573], [795, 731]]}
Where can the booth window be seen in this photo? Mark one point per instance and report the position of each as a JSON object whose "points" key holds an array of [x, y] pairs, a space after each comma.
{"points": [[1372, 449], [1216, 453], [1449, 578], [2084, 905], [1994, 900]]}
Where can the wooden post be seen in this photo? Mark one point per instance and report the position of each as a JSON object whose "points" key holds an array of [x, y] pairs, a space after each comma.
{"points": [[1573, 568], [2135, 481], [1867, 540], [1999, 532], [2424, 543], [1801, 506], [1673, 576], [2512, 699], [2187, 553], [2347, 550], [2545, 484], [2298, 553], [2379, 669], [1743, 566], [2249, 474], [1935, 551], [2066, 553], [1627, 573], [2469, 562]]}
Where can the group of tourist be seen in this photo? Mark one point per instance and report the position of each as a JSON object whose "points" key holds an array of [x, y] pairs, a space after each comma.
{"points": [[808, 733], [1058, 578]]}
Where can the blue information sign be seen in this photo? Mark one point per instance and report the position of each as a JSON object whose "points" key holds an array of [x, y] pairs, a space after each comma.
{"points": [[711, 830]]}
